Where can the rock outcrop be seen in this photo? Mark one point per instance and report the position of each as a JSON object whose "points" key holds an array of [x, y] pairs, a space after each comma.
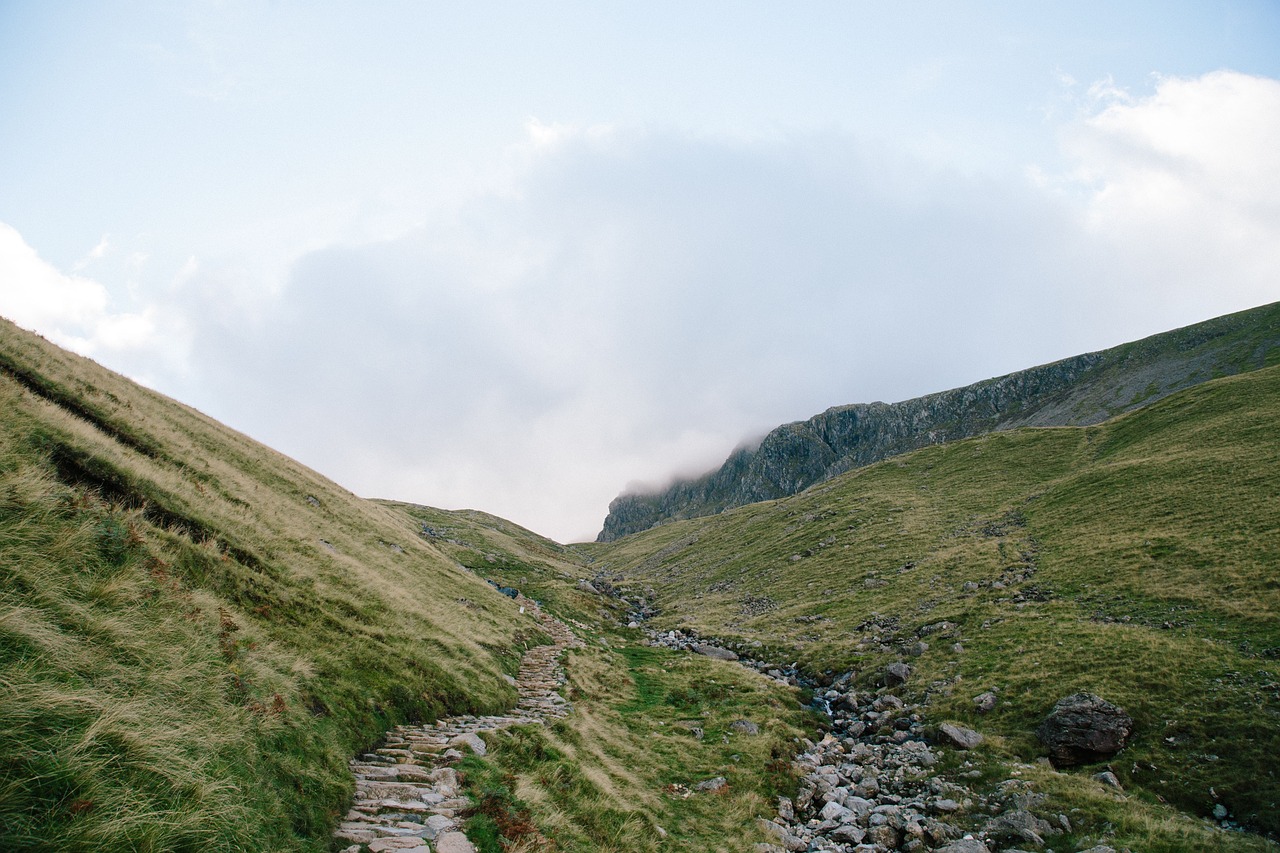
{"points": [[1078, 391]]}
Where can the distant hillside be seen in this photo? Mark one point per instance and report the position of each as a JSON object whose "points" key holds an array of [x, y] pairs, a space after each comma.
{"points": [[1135, 559], [196, 632], [1078, 391]]}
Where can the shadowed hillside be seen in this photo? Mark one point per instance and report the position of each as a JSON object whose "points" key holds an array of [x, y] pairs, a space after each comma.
{"points": [[1079, 391]]}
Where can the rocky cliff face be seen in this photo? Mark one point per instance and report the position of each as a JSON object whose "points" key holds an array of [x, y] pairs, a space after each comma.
{"points": [[1077, 391]]}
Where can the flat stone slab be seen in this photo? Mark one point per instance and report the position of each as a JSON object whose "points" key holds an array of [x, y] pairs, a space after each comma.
{"points": [[454, 842]]}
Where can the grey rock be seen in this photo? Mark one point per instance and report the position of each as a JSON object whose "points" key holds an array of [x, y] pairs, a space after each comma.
{"points": [[715, 785], [473, 741], [896, 673], [849, 833], [959, 736], [985, 702], [965, 845], [835, 811], [454, 842], [1018, 825], [744, 727], [1083, 728], [1106, 777], [715, 652], [783, 836], [1220, 812]]}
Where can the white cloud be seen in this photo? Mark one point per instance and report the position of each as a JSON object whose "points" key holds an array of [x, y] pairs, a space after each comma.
{"points": [[71, 310], [96, 253], [613, 304], [1183, 188]]}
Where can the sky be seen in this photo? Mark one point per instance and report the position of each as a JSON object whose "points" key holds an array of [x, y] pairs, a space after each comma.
{"points": [[523, 257]]}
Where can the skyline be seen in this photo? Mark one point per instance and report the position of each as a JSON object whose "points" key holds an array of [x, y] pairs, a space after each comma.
{"points": [[514, 260]]}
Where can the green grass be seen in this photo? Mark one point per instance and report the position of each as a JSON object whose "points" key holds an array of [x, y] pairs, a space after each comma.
{"points": [[1136, 559], [196, 632], [620, 774]]}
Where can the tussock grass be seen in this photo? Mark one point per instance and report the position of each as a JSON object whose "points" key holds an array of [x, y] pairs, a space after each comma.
{"points": [[620, 773], [196, 632], [1135, 559]]}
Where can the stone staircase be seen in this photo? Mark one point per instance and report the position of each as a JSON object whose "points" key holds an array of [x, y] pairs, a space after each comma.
{"points": [[408, 796]]}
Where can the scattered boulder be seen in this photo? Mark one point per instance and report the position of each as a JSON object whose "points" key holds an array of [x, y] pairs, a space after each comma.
{"points": [[715, 652], [588, 586], [1083, 728], [783, 836], [896, 673], [959, 736], [965, 845], [1106, 777], [744, 727], [985, 703], [713, 786], [1018, 825]]}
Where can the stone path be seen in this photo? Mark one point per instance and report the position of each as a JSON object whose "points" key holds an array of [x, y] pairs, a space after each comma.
{"points": [[408, 798]]}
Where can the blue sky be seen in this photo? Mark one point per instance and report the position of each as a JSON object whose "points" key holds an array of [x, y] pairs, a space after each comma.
{"points": [[516, 256]]}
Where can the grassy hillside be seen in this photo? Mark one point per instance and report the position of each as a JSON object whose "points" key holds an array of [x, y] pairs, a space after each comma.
{"points": [[1136, 559], [197, 632]]}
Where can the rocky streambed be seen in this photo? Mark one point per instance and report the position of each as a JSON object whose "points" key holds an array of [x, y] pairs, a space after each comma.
{"points": [[871, 784]]}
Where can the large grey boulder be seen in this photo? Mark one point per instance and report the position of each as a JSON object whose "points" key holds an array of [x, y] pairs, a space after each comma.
{"points": [[1083, 728], [959, 736], [715, 652]]}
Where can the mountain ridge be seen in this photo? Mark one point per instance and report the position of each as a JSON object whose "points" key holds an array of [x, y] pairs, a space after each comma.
{"points": [[1077, 391]]}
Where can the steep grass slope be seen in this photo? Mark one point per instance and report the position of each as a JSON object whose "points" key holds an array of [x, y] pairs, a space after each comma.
{"points": [[197, 632], [1136, 559], [1078, 391]]}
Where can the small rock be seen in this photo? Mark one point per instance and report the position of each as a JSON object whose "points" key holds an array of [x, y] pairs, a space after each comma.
{"points": [[917, 649], [896, 673], [1018, 825], [715, 785], [1106, 777], [783, 836], [1220, 812], [959, 736], [985, 702], [835, 811], [965, 845], [744, 727]]}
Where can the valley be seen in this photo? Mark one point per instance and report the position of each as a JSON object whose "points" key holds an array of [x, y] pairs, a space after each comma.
{"points": [[200, 637]]}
